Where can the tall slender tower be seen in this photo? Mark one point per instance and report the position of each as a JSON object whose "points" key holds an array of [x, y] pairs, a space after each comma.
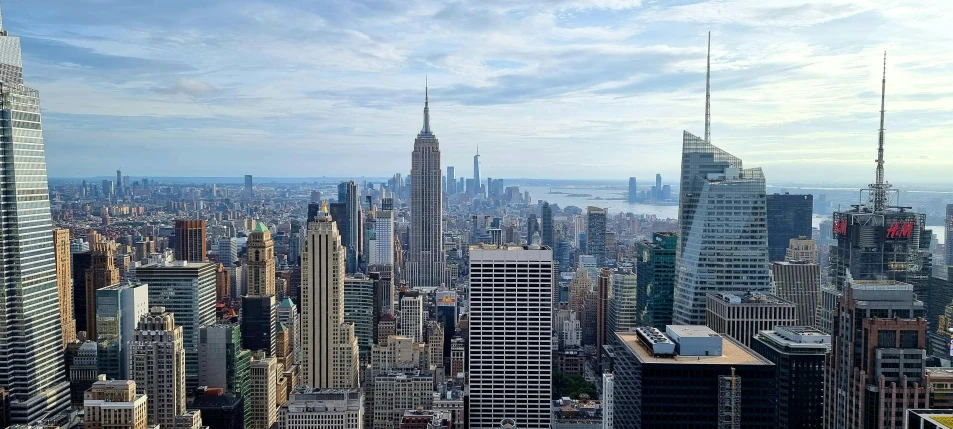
{"points": [[64, 280], [103, 273], [157, 364], [476, 173], [426, 202], [330, 351], [717, 252], [31, 342], [190, 244], [261, 261]]}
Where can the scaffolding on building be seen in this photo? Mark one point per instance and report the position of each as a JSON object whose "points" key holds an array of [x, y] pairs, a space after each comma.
{"points": [[729, 401]]}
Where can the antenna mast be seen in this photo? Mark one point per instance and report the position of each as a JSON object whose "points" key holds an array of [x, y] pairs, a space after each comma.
{"points": [[708, 93], [880, 188]]}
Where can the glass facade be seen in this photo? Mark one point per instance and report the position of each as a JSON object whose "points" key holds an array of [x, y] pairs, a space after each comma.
{"points": [[31, 341], [359, 311], [656, 280], [723, 233], [789, 216]]}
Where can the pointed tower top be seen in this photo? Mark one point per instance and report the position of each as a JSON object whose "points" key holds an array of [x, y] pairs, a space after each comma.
{"points": [[708, 93], [478, 149], [426, 129], [880, 187]]}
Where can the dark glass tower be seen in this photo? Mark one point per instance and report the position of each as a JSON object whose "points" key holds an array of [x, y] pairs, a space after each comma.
{"points": [[799, 353], [633, 191], [789, 216], [547, 225], [656, 280], [259, 321], [596, 234]]}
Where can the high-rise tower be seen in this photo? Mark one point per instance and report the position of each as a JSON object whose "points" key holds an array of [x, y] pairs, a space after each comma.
{"points": [[330, 351], [103, 273], [426, 203], [718, 252], [477, 187], [31, 342], [190, 243], [261, 261], [64, 280]]}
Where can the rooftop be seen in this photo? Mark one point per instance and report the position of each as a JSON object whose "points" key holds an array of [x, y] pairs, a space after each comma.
{"points": [[733, 353], [749, 298], [801, 337], [484, 246]]}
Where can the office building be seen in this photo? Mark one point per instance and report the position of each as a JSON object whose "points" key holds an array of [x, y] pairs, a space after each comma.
{"points": [[789, 217], [349, 223], [249, 188], [227, 251], [426, 203], [622, 315], [596, 234], [608, 399], [359, 311], [83, 372], [190, 242], [600, 301], [546, 221], [262, 391], [876, 367], [742, 316], [64, 283], [221, 411], [114, 404], [261, 262], [412, 316], [434, 338], [82, 261], [506, 334], [451, 182], [675, 379], [259, 321], [101, 273], [381, 239], [718, 252], [447, 315], [798, 282], [31, 348], [398, 391], [289, 318], [323, 409], [477, 183], [655, 269], [799, 353], [222, 361], [532, 228], [426, 419], [157, 362], [118, 310], [186, 289], [330, 350], [948, 253], [801, 249], [633, 195]]}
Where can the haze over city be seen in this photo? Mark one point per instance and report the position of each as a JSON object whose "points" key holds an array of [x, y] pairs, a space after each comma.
{"points": [[547, 89]]}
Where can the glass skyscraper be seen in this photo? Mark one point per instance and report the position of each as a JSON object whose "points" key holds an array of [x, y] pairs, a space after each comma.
{"points": [[723, 234], [427, 259], [31, 341]]}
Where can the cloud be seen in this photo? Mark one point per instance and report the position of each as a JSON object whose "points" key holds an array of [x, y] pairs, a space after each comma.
{"points": [[186, 86], [547, 88]]}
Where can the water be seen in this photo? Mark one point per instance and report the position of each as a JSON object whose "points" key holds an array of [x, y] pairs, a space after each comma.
{"points": [[611, 199]]}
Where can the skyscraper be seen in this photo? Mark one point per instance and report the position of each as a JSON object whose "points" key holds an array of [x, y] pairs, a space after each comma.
{"points": [[716, 252], [64, 283], [228, 251], [426, 205], [249, 190], [157, 358], [789, 216], [949, 235], [655, 269], [412, 316], [223, 362], [381, 239], [330, 351], [119, 190], [477, 185], [359, 310], [101, 274], [633, 191], [350, 223], [800, 283], [190, 240], [261, 261], [500, 344], [114, 403], [532, 228], [799, 353], [548, 234], [186, 289], [596, 234], [118, 310], [451, 181], [259, 323]]}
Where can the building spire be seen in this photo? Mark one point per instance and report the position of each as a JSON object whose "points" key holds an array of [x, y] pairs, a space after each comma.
{"points": [[880, 187], [708, 93], [426, 129]]}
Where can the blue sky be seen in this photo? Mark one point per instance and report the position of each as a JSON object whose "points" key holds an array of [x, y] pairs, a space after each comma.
{"points": [[595, 89]]}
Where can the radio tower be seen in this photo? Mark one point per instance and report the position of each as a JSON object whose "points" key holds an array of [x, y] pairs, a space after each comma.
{"points": [[880, 188]]}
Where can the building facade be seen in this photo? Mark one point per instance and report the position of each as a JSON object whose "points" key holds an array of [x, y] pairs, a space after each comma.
{"points": [[190, 242], [412, 316], [101, 273], [723, 233], [655, 269], [596, 234], [799, 353], [323, 409], [799, 282], [64, 283], [259, 323], [427, 259], [789, 217], [224, 364], [359, 311], [114, 404], [261, 262], [742, 316], [157, 359], [262, 391], [118, 310], [521, 339]]}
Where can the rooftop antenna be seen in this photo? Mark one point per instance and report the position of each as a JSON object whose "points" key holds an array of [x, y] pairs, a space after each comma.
{"points": [[880, 187], [708, 93]]}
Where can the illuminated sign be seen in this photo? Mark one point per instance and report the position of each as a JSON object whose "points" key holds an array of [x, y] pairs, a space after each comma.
{"points": [[840, 227], [900, 230]]}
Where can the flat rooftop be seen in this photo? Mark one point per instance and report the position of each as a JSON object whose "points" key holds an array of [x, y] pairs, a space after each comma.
{"points": [[733, 353], [692, 331]]}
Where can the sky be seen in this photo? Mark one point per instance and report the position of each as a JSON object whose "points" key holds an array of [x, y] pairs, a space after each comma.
{"points": [[598, 89]]}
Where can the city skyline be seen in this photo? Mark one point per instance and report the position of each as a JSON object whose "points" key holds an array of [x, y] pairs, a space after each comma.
{"points": [[554, 75]]}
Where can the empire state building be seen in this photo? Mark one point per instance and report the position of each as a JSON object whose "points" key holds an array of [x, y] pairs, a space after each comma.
{"points": [[426, 203]]}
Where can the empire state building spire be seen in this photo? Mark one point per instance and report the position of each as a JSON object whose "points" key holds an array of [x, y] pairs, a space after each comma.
{"points": [[426, 129]]}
